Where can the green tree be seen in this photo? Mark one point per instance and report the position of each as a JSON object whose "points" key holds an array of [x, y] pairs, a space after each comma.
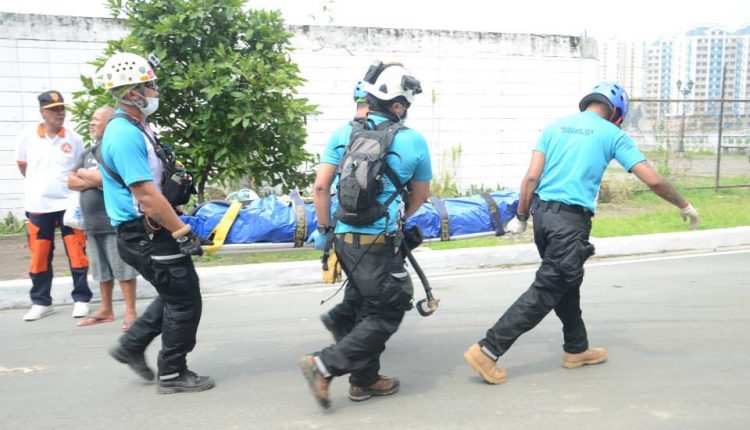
{"points": [[228, 104]]}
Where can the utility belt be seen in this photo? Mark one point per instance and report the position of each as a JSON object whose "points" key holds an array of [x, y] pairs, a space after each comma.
{"points": [[550, 206], [134, 226], [139, 225], [357, 239], [145, 245]]}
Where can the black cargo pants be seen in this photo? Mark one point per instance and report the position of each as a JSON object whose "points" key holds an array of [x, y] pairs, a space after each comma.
{"points": [[561, 234], [382, 291], [176, 312]]}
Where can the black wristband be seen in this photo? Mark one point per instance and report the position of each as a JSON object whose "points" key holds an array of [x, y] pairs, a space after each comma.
{"points": [[522, 217]]}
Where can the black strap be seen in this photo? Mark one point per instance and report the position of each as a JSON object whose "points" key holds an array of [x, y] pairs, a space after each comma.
{"points": [[300, 232], [445, 226], [494, 214], [391, 130], [97, 151], [155, 143]]}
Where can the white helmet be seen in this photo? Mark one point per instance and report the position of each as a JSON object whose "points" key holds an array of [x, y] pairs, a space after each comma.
{"points": [[394, 81], [125, 68]]}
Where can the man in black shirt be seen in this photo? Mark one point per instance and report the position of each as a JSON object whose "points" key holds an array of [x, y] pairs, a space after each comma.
{"points": [[106, 264]]}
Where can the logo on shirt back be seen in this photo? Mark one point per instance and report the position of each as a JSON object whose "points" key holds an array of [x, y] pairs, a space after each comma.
{"points": [[66, 148], [579, 131]]}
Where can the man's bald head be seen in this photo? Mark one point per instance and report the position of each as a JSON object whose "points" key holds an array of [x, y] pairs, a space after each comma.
{"points": [[99, 121]]}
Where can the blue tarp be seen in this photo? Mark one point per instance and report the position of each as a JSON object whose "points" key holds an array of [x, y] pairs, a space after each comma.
{"points": [[272, 220], [466, 215]]}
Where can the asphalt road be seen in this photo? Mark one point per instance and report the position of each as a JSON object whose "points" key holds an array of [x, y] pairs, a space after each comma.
{"points": [[676, 327]]}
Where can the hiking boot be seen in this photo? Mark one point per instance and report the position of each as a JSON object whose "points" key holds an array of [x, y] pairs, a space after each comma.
{"points": [[318, 382], [384, 386], [136, 361], [485, 365], [187, 382], [337, 332], [589, 356]]}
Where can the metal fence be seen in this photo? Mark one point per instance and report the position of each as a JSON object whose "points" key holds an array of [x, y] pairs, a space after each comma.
{"points": [[696, 143]]}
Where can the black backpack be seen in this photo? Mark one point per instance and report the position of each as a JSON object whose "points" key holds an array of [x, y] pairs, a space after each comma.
{"points": [[361, 171]]}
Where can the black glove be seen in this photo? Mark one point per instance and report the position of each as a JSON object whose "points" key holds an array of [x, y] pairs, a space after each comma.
{"points": [[190, 244]]}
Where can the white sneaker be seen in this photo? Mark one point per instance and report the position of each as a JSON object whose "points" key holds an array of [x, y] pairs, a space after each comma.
{"points": [[80, 309], [37, 312]]}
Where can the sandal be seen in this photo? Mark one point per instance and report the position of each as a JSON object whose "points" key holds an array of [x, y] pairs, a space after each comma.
{"points": [[93, 320]]}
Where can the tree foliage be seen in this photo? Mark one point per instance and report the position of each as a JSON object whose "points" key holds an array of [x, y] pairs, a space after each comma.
{"points": [[228, 103]]}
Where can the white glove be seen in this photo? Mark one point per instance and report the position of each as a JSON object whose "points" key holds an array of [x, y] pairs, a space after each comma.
{"points": [[516, 226], [690, 212]]}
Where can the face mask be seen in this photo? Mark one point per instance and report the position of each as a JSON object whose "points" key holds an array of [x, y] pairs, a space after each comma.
{"points": [[402, 118], [152, 104]]}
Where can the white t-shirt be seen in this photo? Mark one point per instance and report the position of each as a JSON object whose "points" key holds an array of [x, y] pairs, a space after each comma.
{"points": [[48, 162]]}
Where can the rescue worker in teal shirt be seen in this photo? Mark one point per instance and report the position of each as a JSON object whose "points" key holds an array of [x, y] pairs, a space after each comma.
{"points": [[560, 190]]}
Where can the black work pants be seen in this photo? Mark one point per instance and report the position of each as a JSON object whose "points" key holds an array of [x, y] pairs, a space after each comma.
{"points": [[561, 234], [344, 314], [382, 293], [176, 312]]}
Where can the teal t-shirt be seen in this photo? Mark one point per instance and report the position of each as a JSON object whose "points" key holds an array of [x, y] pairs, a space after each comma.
{"points": [[578, 149], [125, 150], [412, 163]]}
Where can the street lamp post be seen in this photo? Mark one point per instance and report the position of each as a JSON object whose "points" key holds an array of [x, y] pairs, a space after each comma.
{"points": [[685, 92]]}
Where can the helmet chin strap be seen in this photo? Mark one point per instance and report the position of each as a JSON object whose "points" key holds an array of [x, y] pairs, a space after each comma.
{"points": [[141, 103]]}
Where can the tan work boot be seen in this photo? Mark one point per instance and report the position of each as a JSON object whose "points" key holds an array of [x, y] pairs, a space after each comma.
{"points": [[317, 380], [485, 365], [590, 356], [384, 386]]}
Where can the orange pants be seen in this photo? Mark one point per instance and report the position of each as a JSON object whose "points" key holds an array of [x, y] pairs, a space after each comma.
{"points": [[41, 234]]}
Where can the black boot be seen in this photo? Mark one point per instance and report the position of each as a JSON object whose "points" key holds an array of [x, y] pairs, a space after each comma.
{"points": [[187, 382], [136, 361], [330, 325]]}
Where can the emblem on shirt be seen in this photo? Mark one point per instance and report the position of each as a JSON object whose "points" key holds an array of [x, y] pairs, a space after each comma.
{"points": [[66, 148]]}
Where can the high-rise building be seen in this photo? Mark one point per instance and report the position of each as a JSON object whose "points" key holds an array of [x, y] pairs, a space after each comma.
{"points": [[677, 82], [622, 61], [652, 69]]}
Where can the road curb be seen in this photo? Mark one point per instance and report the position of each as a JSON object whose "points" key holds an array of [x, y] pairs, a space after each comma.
{"points": [[250, 277]]}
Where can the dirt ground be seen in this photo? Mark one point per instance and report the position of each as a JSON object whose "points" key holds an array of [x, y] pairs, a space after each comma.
{"points": [[14, 258]]}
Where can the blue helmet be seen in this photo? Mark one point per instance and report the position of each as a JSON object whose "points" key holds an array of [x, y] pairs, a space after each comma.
{"points": [[359, 91], [611, 94]]}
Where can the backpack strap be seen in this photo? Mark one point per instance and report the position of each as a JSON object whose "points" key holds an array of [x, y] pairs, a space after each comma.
{"points": [[97, 152], [155, 143], [391, 130]]}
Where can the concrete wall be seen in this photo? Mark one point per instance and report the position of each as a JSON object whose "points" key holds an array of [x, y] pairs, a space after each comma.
{"points": [[489, 94], [39, 53]]}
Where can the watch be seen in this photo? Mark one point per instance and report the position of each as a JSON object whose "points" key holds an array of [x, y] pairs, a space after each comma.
{"points": [[323, 229], [522, 217]]}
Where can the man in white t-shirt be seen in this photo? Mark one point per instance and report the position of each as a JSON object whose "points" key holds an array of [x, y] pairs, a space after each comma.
{"points": [[45, 156]]}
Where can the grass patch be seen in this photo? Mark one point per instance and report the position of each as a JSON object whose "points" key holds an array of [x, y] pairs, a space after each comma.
{"points": [[646, 213], [482, 242], [12, 226], [256, 257]]}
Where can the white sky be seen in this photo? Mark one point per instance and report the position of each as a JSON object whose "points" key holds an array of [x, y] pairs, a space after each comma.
{"points": [[629, 19]]}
